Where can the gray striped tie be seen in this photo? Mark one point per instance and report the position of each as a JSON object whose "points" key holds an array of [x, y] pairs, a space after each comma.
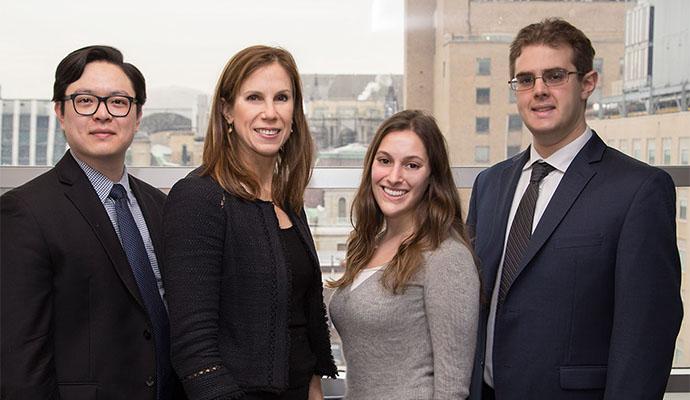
{"points": [[521, 230]]}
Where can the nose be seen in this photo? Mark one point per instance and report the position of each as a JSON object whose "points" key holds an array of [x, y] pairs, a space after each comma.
{"points": [[540, 89], [396, 174], [102, 112], [269, 110]]}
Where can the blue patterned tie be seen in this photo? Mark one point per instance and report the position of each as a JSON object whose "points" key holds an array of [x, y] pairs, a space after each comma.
{"points": [[521, 229], [138, 259]]}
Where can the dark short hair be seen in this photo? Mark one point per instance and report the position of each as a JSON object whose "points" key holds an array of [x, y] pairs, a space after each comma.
{"points": [[554, 32], [72, 67]]}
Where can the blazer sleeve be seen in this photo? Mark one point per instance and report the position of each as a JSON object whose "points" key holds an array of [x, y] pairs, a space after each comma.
{"points": [[194, 231], [318, 332], [28, 369], [647, 303], [451, 301]]}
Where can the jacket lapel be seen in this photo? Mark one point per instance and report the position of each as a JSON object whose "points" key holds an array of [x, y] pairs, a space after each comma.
{"points": [[152, 215], [81, 193], [579, 173]]}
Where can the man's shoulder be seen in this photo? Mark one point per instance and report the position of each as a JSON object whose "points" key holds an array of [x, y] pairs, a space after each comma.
{"points": [[148, 189], [41, 187]]}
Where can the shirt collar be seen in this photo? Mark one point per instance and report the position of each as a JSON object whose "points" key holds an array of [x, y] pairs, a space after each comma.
{"points": [[562, 158], [100, 182]]}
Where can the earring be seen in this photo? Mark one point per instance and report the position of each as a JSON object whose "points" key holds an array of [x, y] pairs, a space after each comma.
{"points": [[230, 127]]}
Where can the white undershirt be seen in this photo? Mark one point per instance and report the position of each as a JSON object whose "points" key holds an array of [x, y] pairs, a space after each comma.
{"points": [[560, 160], [363, 275]]}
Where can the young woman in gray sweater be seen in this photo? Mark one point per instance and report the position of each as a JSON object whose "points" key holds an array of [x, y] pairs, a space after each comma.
{"points": [[407, 306]]}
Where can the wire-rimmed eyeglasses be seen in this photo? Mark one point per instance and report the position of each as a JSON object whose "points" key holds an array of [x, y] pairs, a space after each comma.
{"points": [[87, 104], [550, 77]]}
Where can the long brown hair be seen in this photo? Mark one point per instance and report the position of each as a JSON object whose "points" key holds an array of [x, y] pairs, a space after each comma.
{"points": [[221, 149], [437, 217]]}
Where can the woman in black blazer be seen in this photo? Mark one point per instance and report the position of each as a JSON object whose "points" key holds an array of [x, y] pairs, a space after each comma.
{"points": [[242, 277]]}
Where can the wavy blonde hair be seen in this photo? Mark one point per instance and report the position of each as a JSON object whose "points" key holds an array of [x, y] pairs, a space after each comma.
{"points": [[221, 150], [438, 214]]}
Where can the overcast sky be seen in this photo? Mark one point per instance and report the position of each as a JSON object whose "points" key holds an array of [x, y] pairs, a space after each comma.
{"points": [[187, 43]]}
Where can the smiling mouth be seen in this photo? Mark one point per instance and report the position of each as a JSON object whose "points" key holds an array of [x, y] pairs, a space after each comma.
{"points": [[267, 131], [394, 192], [540, 109]]}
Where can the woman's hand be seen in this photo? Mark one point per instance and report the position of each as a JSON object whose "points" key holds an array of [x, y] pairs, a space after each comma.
{"points": [[315, 392]]}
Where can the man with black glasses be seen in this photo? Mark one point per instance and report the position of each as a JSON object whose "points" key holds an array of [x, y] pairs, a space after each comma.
{"points": [[83, 309], [576, 243]]}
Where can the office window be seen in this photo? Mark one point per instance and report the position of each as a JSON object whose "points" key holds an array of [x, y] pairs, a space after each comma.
{"points": [[637, 149], [481, 125], [514, 122], [483, 66], [684, 151], [651, 151], [342, 209], [483, 96], [666, 151], [599, 65], [623, 146], [512, 98], [512, 151], [481, 154]]}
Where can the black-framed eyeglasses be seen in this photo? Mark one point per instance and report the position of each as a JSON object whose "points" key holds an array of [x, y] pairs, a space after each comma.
{"points": [[550, 77], [87, 104]]}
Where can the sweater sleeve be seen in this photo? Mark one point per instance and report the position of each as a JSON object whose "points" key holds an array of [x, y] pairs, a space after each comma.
{"points": [[451, 300], [194, 228]]}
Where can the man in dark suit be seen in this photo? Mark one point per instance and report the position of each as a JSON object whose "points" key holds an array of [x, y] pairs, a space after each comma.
{"points": [[577, 246], [83, 315]]}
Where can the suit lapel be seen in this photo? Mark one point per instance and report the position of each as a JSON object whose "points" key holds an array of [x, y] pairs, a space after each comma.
{"points": [[152, 215], [579, 173], [81, 193]]}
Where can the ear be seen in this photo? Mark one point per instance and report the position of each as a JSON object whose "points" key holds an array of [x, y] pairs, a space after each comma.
{"points": [[59, 114], [589, 83], [227, 111]]}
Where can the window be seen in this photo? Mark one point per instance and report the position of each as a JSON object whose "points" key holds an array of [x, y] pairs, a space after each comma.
{"points": [[483, 66], [481, 154], [481, 125], [342, 211], [651, 151], [483, 96], [341, 246], [683, 209], [599, 65], [666, 151], [512, 151], [683, 150], [637, 148], [514, 122], [623, 146]]}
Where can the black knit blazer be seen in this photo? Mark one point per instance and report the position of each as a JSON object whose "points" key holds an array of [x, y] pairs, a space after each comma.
{"points": [[227, 285]]}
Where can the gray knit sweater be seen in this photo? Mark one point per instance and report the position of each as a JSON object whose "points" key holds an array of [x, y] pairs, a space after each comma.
{"points": [[415, 345]]}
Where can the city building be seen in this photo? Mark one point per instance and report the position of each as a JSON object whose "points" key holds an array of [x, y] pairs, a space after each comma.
{"points": [[456, 65]]}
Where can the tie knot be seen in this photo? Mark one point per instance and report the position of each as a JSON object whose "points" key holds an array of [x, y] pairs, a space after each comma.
{"points": [[539, 171], [118, 192]]}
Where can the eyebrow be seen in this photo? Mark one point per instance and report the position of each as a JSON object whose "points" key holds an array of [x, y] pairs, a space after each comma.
{"points": [[407, 158], [112, 93], [542, 71]]}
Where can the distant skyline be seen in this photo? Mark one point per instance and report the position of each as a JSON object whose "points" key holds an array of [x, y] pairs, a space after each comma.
{"points": [[186, 44]]}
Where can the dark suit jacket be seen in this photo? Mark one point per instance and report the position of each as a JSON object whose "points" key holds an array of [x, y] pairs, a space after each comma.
{"points": [[73, 322], [595, 309]]}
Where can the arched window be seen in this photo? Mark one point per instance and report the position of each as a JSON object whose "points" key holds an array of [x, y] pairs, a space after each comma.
{"points": [[342, 211]]}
